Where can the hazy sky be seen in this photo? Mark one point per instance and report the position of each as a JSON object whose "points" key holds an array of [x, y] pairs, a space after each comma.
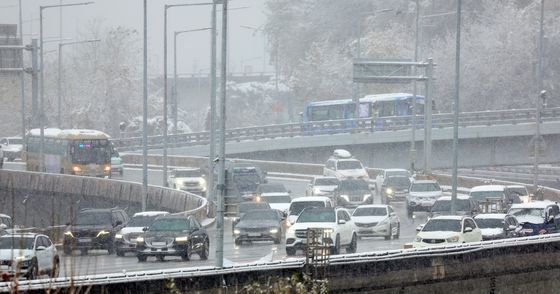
{"points": [[246, 45]]}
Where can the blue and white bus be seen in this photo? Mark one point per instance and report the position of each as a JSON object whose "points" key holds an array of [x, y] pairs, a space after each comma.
{"points": [[379, 108]]}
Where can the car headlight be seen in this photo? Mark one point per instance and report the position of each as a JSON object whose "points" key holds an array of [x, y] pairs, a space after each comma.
{"points": [[453, 239], [273, 231], [103, 233], [237, 231], [202, 182], [389, 191], [23, 261], [345, 197], [316, 191], [328, 231], [118, 236], [107, 168], [384, 222], [182, 239], [258, 198], [418, 239], [69, 234], [366, 196], [76, 168], [140, 240]]}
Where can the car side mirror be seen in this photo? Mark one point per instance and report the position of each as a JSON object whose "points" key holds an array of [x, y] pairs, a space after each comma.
{"points": [[512, 227], [118, 223], [3, 226], [551, 218], [289, 191], [41, 248], [392, 214], [468, 230], [419, 228], [144, 229], [68, 224], [341, 221]]}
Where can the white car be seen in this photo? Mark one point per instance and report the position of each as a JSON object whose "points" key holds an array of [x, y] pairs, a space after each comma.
{"points": [[380, 178], [322, 186], [376, 221], [520, 191], [275, 194], [188, 179], [29, 255], [125, 239], [11, 147], [337, 226], [445, 230], [342, 166], [422, 195], [299, 204]]}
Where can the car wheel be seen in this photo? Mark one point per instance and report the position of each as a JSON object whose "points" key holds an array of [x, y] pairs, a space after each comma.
{"points": [[160, 257], [187, 254], [205, 251], [67, 250], [238, 241], [336, 249], [120, 253], [389, 233], [290, 251], [111, 249], [33, 270], [353, 244], [409, 211], [83, 252], [55, 271], [398, 234], [142, 258]]}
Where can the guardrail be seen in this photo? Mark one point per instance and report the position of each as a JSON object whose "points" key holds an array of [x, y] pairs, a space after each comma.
{"points": [[481, 118]]}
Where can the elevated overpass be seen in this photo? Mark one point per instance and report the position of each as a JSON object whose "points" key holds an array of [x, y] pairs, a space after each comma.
{"points": [[486, 138]]}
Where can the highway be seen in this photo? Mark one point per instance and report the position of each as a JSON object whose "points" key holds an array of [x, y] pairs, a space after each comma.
{"points": [[99, 262]]}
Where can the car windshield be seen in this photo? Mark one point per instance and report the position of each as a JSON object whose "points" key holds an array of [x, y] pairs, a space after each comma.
{"points": [[399, 182], [297, 207], [93, 219], [531, 215], [317, 216], [520, 191], [393, 173], [16, 242], [91, 151], [188, 173], [246, 180], [370, 211], [352, 185], [482, 195], [272, 188], [141, 221], [424, 187], [170, 224], [446, 225], [260, 215], [326, 182], [348, 164], [445, 205], [15, 141], [489, 223], [247, 206], [276, 199]]}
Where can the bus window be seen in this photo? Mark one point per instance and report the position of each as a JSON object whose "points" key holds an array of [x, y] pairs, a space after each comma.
{"points": [[386, 108], [403, 107], [327, 112]]}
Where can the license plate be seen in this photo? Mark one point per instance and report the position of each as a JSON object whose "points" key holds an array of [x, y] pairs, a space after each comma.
{"points": [[254, 234], [365, 231], [84, 240], [159, 243]]}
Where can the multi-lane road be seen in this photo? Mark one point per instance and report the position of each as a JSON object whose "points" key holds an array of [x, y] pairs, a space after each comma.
{"points": [[99, 262]]}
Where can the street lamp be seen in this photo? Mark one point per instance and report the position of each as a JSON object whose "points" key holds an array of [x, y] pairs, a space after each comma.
{"points": [[42, 83], [542, 95], [165, 139], [60, 45], [456, 110]]}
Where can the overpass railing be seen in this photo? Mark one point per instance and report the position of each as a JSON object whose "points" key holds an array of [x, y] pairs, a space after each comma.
{"points": [[362, 125]]}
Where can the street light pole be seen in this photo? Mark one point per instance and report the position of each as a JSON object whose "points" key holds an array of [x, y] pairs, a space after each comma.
{"points": [[414, 93], [60, 72], [42, 80], [539, 103], [456, 110], [22, 77], [212, 151], [145, 112]]}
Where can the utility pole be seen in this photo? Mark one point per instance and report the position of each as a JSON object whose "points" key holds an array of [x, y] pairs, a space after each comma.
{"points": [[222, 151], [34, 82], [542, 95], [414, 93], [145, 113], [22, 77], [212, 152], [456, 111], [428, 119]]}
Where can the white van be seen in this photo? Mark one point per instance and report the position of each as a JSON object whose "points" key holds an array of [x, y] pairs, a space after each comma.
{"points": [[300, 203]]}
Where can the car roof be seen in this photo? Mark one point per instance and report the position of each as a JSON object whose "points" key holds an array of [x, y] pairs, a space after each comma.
{"points": [[22, 235], [323, 177], [174, 216], [4, 215], [452, 217], [516, 186], [425, 182], [535, 204], [150, 213], [310, 198], [488, 188], [490, 216], [396, 169], [459, 196], [373, 206], [187, 169], [262, 210], [99, 209]]}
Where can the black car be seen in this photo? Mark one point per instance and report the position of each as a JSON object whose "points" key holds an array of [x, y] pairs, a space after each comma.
{"points": [[173, 235], [353, 192], [395, 188], [94, 229], [260, 225]]}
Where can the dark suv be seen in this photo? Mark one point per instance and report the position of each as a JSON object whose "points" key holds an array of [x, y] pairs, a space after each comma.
{"points": [[94, 229]]}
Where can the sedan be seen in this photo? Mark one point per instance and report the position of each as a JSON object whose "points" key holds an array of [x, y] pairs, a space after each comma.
{"points": [[497, 226], [260, 225], [173, 235], [376, 221]]}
